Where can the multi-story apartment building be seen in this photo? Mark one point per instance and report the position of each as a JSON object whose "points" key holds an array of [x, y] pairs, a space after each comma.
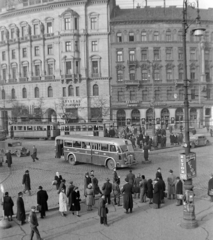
{"points": [[147, 66], [54, 59]]}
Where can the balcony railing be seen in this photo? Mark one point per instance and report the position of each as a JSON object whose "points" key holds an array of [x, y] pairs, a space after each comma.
{"points": [[36, 78], [50, 77], [95, 75], [132, 62], [12, 40], [25, 38], [49, 35], [12, 80], [23, 79], [36, 36]]}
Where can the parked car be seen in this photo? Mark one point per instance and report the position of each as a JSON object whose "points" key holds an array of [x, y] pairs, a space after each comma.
{"points": [[15, 148], [197, 140]]}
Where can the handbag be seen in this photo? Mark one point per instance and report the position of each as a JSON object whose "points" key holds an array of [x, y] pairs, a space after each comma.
{"points": [[54, 182]]}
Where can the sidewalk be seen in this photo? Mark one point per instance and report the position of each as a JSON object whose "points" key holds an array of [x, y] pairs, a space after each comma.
{"points": [[144, 223]]}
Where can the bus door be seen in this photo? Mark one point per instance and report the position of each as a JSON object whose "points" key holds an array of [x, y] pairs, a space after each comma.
{"points": [[96, 154], [48, 131], [86, 152]]}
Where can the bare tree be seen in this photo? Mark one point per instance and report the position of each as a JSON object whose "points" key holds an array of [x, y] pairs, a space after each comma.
{"points": [[102, 107], [38, 108]]}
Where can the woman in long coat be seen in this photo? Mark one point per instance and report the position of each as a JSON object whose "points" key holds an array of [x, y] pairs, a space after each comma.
{"points": [[102, 210], [58, 179], [136, 186], [9, 158], [150, 191], [156, 195], [63, 202], [76, 207], [90, 197], [8, 206], [21, 216], [127, 191], [26, 182]]}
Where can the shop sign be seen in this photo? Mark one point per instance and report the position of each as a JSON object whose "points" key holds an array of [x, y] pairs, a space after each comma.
{"points": [[132, 103], [72, 102], [187, 166]]}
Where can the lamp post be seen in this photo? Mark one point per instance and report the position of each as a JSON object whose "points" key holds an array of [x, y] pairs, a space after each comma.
{"points": [[188, 159]]}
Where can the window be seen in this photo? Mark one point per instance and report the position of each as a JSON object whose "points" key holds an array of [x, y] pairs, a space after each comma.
{"points": [[169, 75], [23, 31], [143, 36], [12, 33], [67, 23], [50, 69], [49, 49], [120, 56], [169, 54], [131, 55], [156, 54], [49, 27], [94, 67], [156, 36], [76, 23], [119, 37], [36, 29], [120, 75], [168, 36], [68, 46], [37, 70], [192, 94], [132, 96], [2, 36], [3, 94], [208, 93], [181, 94], [95, 90], [64, 91], [13, 93], [180, 54], [192, 54], [14, 70], [94, 46], [144, 95], [144, 74], [70, 91], [157, 95], [77, 91], [36, 51], [24, 71], [192, 73], [24, 52], [180, 36], [36, 92], [93, 23], [169, 94], [144, 55], [50, 91], [13, 54], [24, 93], [132, 74], [180, 72], [120, 96], [68, 67], [131, 37], [156, 74], [4, 74], [3, 56]]}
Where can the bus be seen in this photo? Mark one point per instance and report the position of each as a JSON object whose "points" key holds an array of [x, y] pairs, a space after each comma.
{"points": [[34, 130], [108, 152]]}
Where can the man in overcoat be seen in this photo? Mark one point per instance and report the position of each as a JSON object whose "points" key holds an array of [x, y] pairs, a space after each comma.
{"points": [[179, 191], [26, 182], [9, 158], [69, 194], [102, 210], [156, 194], [8, 206], [21, 216], [130, 177], [171, 180], [107, 189], [94, 182], [146, 151], [42, 198], [210, 187], [158, 173], [127, 191], [162, 187], [34, 155], [34, 224]]}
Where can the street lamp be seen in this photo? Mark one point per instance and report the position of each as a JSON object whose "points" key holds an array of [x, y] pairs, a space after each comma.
{"points": [[188, 159]]}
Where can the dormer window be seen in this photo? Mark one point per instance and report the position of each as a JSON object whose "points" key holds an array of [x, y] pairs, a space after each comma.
{"points": [[93, 23], [67, 23], [49, 27]]}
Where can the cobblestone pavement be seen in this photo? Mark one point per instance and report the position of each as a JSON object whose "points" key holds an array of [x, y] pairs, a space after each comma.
{"points": [[42, 172]]}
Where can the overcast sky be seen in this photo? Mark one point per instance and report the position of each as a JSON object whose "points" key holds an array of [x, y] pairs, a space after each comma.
{"points": [[153, 3]]}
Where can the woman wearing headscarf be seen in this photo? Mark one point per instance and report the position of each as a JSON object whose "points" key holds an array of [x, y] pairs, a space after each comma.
{"points": [[90, 197], [63, 202], [57, 179]]}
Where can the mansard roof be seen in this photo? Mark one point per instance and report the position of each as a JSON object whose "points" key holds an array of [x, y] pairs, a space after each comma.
{"points": [[158, 14]]}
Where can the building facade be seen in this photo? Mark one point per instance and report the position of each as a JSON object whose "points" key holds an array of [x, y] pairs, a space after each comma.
{"points": [[147, 67], [54, 59]]}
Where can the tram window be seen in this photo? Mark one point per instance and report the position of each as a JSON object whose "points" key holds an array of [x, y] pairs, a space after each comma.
{"points": [[78, 128], [89, 128], [101, 128], [77, 144], [104, 147], [34, 128], [25, 128], [68, 144], [95, 146], [72, 128], [83, 145], [19, 128], [84, 128], [39, 128], [66, 128], [112, 148], [29, 128]]}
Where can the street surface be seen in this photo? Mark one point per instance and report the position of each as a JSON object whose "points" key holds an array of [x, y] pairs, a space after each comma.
{"points": [[143, 223]]}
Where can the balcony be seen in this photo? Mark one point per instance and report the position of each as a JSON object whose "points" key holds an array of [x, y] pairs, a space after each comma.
{"points": [[132, 82], [35, 78], [12, 80], [49, 78], [25, 38], [132, 62], [23, 79], [49, 35], [95, 75], [36, 36]]}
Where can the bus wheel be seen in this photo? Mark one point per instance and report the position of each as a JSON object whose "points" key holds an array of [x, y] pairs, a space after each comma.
{"points": [[18, 153], [71, 159], [110, 164]]}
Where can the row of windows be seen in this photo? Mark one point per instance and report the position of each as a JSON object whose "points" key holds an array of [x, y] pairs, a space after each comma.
{"points": [[157, 36], [169, 54], [147, 95], [24, 93], [70, 91]]}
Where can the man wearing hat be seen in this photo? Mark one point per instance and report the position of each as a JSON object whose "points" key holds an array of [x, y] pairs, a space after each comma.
{"points": [[69, 194], [130, 177], [34, 224], [158, 173], [171, 180], [127, 191], [94, 182], [107, 189], [42, 198]]}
